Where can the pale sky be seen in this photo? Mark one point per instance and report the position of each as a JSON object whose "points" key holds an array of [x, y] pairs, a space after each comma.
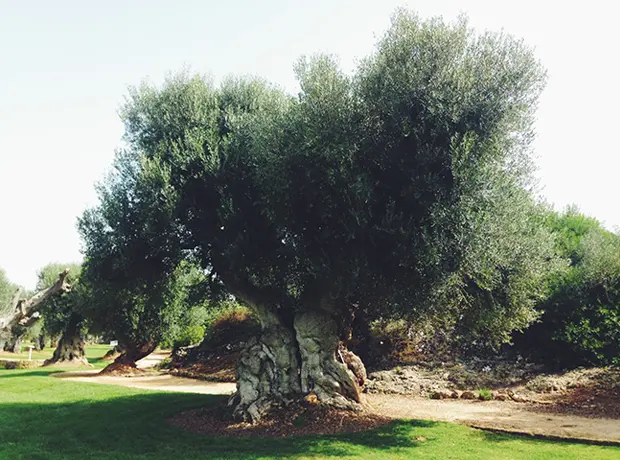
{"points": [[65, 66]]}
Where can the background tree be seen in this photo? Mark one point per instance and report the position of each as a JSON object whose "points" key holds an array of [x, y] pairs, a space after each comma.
{"points": [[62, 316], [24, 312], [195, 306], [581, 315], [505, 275], [7, 292], [139, 278], [360, 194]]}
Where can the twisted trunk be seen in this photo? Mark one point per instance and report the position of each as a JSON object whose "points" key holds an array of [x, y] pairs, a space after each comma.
{"points": [[131, 354], [290, 359], [40, 343], [113, 353], [323, 368], [71, 348], [267, 371]]}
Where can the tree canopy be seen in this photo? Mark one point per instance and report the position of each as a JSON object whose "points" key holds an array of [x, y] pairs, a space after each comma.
{"points": [[141, 282], [7, 292], [364, 188]]}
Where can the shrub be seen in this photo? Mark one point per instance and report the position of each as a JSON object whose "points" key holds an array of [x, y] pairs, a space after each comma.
{"points": [[191, 335], [581, 320], [230, 324]]}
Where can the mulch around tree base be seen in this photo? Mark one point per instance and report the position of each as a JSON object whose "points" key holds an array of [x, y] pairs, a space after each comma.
{"points": [[122, 370], [296, 419]]}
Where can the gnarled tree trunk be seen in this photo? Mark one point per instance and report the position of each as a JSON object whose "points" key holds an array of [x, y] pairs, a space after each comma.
{"points": [[323, 368], [40, 343], [291, 359], [131, 354], [267, 371], [71, 348], [13, 343]]}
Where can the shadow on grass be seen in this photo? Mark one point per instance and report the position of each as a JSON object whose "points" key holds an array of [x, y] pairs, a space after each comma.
{"points": [[21, 373], [136, 427], [497, 436]]}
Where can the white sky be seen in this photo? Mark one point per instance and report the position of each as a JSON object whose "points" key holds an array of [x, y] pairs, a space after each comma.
{"points": [[65, 66]]}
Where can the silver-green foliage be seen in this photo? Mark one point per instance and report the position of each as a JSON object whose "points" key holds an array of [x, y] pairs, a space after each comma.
{"points": [[366, 191]]}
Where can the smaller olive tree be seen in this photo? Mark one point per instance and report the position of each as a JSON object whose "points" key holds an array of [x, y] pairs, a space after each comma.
{"points": [[140, 279], [62, 315]]}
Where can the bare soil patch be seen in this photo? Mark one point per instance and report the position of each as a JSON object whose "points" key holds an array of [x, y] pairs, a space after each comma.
{"points": [[121, 370], [296, 419], [589, 392]]}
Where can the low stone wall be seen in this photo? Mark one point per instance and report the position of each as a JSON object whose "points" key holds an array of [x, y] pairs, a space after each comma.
{"points": [[20, 364]]}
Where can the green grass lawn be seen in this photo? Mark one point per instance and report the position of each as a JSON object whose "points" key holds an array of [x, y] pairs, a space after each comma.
{"points": [[93, 353], [45, 354], [42, 417]]}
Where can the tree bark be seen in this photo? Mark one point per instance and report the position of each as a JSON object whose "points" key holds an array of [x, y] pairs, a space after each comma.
{"points": [[71, 348], [267, 371], [132, 353], [40, 342], [25, 312], [323, 368], [290, 360], [13, 344]]}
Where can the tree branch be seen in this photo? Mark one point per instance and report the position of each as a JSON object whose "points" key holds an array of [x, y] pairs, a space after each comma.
{"points": [[25, 309]]}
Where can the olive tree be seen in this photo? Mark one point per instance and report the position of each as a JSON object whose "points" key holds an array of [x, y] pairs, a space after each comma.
{"points": [[361, 193], [62, 315], [24, 312], [138, 278]]}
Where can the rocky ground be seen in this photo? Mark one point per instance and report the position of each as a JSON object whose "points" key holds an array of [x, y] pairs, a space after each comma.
{"points": [[593, 392]]}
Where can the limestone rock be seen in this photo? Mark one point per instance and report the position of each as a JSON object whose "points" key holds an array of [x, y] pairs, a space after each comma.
{"points": [[311, 399], [441, 394]]}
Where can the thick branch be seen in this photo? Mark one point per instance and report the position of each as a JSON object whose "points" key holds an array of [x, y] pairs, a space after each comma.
{"points": [[25, 309]]}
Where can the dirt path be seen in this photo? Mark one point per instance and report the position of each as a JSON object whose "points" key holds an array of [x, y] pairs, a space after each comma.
{"points": [[153, 359], [505, 416], [161, 382]]}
